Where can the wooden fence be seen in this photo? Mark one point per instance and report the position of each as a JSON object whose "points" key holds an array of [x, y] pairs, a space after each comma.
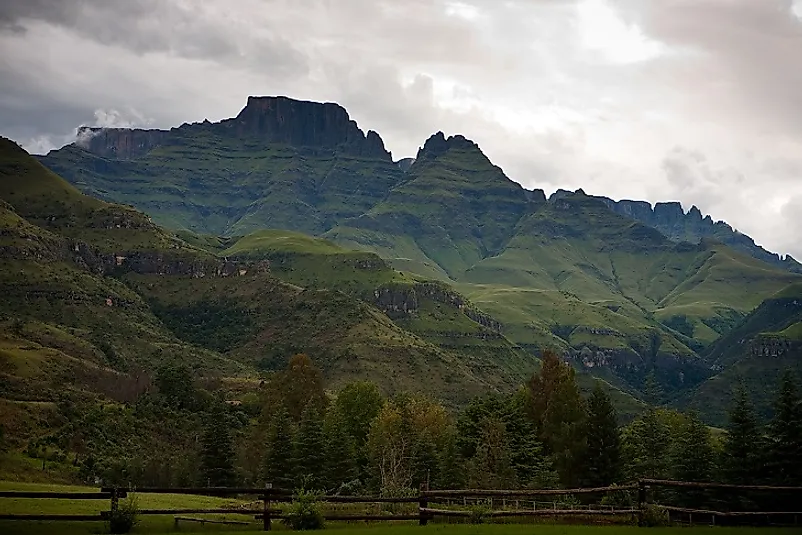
{"points": [[431, 504]]}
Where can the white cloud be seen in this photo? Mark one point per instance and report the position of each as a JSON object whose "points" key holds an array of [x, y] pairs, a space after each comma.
{"points": [[595, 94]]}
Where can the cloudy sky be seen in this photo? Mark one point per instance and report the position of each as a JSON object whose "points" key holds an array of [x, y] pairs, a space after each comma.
{"points": [[692, 100]]}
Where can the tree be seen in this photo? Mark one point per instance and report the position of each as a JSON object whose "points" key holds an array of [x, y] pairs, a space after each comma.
{"points": [[217, 457], [451, 471], [302, 385], [645, 444], [785, 434], [559, 414], [340, 462], [390, 446], [527, 457], [176, 385], [603, 456], [310, 455], [278, 461], [692, 459], [742, 462], [491, 466], [358, 403]]}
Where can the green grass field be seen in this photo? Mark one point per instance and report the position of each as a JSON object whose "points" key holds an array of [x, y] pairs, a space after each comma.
{"points": [[153, 524]]}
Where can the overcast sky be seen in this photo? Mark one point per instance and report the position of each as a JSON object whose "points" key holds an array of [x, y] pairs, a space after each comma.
{"points": [[692, 100]]}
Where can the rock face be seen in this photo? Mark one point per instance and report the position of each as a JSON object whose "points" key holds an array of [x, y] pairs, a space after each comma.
{"points": [[120, 143], [278, 120], [672, 221], [305, 124], [398, 301]]}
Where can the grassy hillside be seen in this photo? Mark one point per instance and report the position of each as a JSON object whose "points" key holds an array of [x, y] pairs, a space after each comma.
{"points": [[761, 347], [81, 317]]}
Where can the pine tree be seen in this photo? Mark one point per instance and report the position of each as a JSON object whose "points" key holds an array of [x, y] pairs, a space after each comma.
{"points": [[645, 446], [692, 453], [217, 458], [340, 461], [742, 445], [603, 457], [491, 467], [278, 461], [451, 468], [310, 455], [558, 411], [785, 435]]}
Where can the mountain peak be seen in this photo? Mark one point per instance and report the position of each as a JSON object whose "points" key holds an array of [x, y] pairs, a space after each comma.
{"points": [[272, 119], [438, 144], [306, 124]]}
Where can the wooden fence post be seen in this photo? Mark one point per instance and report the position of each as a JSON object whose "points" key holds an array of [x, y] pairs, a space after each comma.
{"points": [[115, 500], [641, 501], [266, 508], [423, 503]]}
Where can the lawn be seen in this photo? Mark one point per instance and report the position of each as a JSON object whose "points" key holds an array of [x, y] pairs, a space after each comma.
{"points": [[156, 524]]}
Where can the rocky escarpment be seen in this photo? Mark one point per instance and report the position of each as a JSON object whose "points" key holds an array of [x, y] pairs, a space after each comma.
{"points": [[272, 120], [770, 346], [401, 300], [672, 221]]}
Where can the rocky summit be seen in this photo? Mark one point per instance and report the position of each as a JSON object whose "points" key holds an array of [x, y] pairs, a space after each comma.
{"points": [[441, 259]]}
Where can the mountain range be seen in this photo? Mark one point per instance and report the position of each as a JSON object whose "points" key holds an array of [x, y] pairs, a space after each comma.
{"points": [[234, 244]]}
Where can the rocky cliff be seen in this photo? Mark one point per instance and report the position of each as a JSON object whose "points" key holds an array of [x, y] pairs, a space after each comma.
{"points": [[278, 120], [672, 221]]}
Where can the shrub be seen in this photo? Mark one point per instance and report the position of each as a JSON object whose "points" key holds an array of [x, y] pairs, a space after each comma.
{"points": [[479, 512], [124, 518], [653, 516], [304, 513]]}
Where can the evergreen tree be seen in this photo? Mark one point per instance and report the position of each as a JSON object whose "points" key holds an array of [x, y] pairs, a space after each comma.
{"points": [[646, 445], [491, 466], [217, 458], [603, 458], [278, 461], [310, 454], [742, 445], [302, 385], [692, 455], [451, 468], [340, 462], [559, 414], [785, 435]]}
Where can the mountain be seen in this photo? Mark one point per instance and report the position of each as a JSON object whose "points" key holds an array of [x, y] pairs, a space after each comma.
{"points": [[280, 163], [671, 220], [757, 351], [617, 296], [97, 297]]}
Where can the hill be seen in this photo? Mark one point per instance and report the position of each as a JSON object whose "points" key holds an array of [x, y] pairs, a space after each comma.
{"points": [[97, 291], [618, 297], [676, 224], [757, 351]]}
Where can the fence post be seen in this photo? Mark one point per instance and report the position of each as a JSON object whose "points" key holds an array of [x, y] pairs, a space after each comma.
{"points": [[641, 501], [266, 507], [423, 503], [115, 500]]}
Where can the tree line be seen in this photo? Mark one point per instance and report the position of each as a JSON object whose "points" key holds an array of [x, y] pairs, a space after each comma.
{"points": [[293, 433]]}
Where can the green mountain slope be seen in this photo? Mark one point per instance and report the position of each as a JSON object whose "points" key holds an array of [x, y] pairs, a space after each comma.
{"points": [[96, 286], [763, 345], [279, 164], [672, 221], [616, 296]]}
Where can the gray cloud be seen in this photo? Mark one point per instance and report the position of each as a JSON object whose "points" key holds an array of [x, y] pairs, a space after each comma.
{"points": [[694, 100]]}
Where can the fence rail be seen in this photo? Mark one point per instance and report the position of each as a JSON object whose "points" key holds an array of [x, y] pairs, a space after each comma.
{"points": [[268, 496]]}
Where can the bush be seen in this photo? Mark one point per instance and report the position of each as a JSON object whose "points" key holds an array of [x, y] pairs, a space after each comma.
{"points": [[479, 512], [304, 513], [653, 516], [124, 518]]}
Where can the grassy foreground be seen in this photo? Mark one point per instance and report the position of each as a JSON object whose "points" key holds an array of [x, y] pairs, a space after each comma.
{"points": [[157, 524]]}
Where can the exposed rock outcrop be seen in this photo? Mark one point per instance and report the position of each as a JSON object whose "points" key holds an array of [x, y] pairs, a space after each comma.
{"points": [[279, 120], [400, 300], [672, 221]]}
